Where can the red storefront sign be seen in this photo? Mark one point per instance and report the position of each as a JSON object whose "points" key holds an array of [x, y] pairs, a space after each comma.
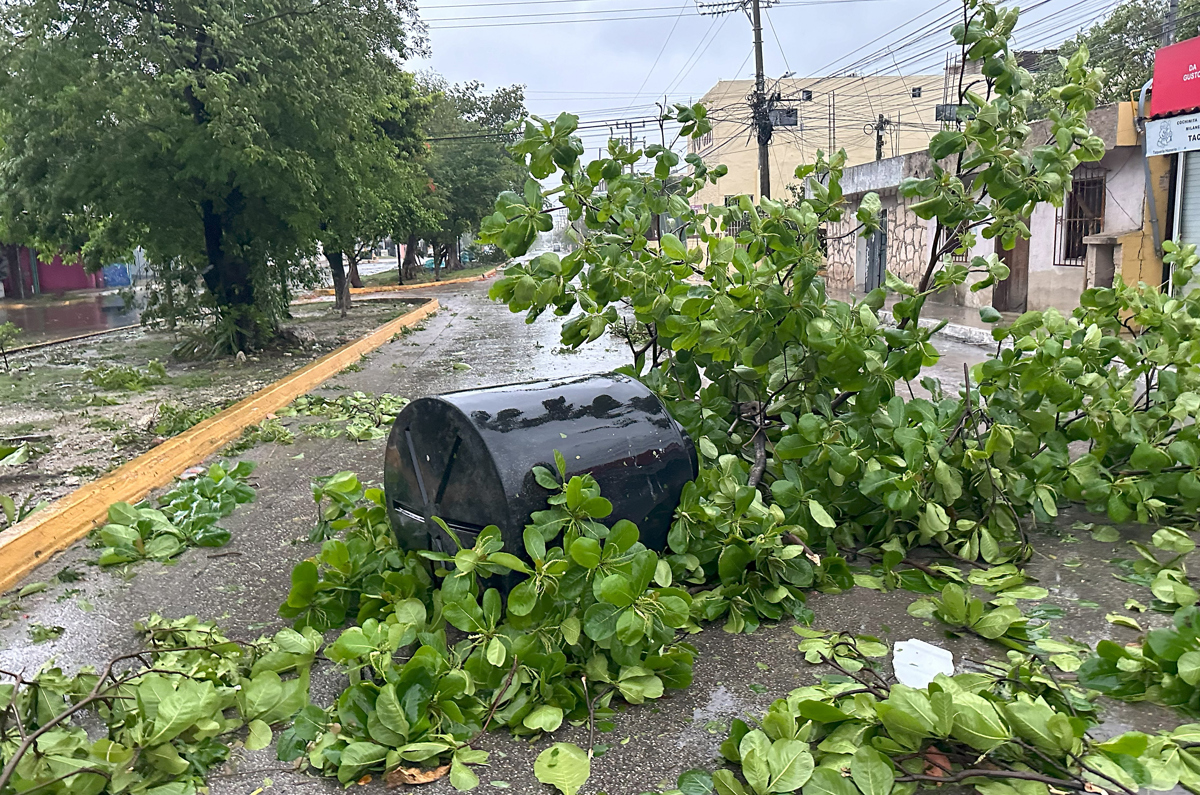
{"points": [[1176, 78]]}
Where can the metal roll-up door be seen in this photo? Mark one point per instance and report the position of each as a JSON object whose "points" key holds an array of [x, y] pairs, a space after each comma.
{"points": [[1187, 228]]}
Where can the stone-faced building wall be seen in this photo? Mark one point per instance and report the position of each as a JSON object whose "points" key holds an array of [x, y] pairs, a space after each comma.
{"points": [[908, 242]]}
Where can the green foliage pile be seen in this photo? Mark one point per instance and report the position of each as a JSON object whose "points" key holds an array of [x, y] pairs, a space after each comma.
{"points": [[366, 416], [155, 721], [126, 378], [591, 619], [175, 418], [792, 396], [1007, 729], [269, 430], [11, 511], [186, 516]]}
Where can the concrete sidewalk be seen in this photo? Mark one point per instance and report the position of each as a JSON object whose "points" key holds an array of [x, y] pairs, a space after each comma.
{"points": [[242, 584]]}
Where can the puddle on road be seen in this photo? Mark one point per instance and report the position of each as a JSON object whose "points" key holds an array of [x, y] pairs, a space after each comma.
{"points": [[40, 323]]}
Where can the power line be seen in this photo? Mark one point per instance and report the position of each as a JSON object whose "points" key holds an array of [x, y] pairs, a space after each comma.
{"points": [[539, 18], [786, 65], [582, 12], [701, 46], [661, 50], [549, 22]]}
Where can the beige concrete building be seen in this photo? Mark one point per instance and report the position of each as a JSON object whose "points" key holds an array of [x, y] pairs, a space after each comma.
{"points": [[831, 113], [1101, 232]]}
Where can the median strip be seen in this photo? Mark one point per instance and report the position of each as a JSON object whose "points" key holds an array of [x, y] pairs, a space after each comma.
{"points": [[28, 544]]}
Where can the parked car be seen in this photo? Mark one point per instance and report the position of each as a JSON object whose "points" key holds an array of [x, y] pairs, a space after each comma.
{"points": [[429, 263]]}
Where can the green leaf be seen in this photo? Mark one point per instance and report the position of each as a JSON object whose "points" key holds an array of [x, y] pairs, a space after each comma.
{"points": [[564, 766], [989, 315], [995, 623], [389, 711], [179, 709], [726, 784], [826, 781], [755, 749], [496, 652], [872, 771], [946, 143], [462, 778], [357, 757], [1189, 668], [673, 247], [259, 735], [977, 723], [820, 515], [544, 718], [586, 552], [790, 764], [695, 782]]}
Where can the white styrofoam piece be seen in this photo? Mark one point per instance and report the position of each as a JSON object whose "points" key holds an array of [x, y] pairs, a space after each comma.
{"points": [[917, 663]]}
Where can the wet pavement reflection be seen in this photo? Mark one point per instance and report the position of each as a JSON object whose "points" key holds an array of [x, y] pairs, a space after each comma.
{"points": [[51, 321]]}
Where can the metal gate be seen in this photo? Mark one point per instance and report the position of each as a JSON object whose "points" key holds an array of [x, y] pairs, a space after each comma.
{"points": [[877, 255]]}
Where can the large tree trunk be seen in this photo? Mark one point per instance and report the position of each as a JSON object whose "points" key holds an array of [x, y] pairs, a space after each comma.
{"points": [[341, 287], [408, 269], [454, 259], [355, 279], [228, 280], [12, 268]]}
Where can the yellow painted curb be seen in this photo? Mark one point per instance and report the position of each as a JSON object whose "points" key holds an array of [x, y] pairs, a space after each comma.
{"points": [[28, 544], [396, 288]]}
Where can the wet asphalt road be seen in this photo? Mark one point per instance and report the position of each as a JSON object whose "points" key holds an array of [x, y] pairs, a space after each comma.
{"points": [[242, 584]]}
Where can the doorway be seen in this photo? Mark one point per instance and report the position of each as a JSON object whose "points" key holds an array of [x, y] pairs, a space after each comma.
{"points": [[1012, 294]]}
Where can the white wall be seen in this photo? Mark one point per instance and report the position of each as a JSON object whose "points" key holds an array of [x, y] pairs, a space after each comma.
{"points": [[1124, 188]]}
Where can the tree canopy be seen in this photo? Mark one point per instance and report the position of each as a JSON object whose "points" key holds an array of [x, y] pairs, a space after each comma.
{"points": [[1123, 45], [469, 163], [227, 137]]}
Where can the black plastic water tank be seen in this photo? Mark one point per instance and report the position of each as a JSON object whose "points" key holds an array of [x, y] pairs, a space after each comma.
{"points": [[467, 457]]}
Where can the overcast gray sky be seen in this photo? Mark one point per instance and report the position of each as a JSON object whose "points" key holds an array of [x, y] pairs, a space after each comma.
{"points": [[604, 59]]}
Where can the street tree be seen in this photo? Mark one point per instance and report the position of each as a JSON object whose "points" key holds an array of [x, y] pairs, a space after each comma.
{"points": [[469, 163], [793, 395], [371, 184], [1123, 45], [209, 134]]}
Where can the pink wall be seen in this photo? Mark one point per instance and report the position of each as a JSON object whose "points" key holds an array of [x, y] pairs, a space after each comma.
{"points": [[54, 276]]}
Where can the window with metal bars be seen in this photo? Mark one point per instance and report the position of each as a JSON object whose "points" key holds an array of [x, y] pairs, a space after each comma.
{"points": [[738, 221], [1082, 214], [951, 240]]}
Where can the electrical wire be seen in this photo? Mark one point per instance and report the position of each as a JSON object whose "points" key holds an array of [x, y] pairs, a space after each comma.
{"points": [[661, 50]]}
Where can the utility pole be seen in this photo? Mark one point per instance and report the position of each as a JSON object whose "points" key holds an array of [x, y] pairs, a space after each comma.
{"points": [[628, 125], [762, 116], [879, 127], [760, 104], [1168, 33], [832, 125]]}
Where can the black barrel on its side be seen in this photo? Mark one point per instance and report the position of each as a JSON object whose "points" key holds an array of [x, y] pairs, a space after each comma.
{"points": [[467, 457]]}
